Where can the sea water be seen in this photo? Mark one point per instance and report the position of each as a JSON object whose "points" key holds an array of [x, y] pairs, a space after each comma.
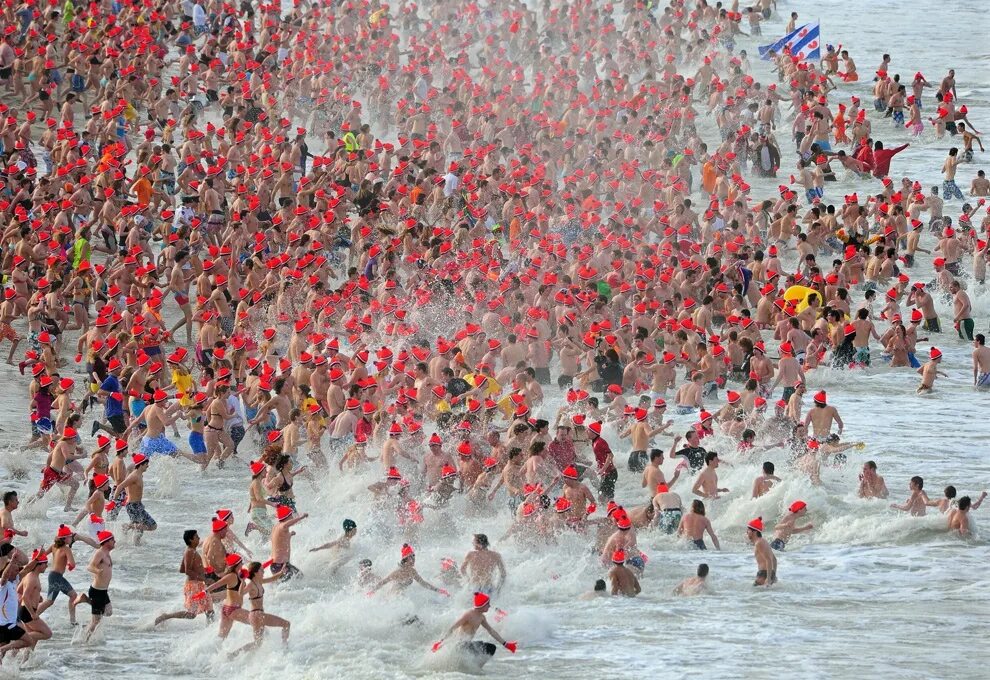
{"points": [[870, 592]]}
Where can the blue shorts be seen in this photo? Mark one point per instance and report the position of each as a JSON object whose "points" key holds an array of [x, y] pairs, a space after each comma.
{"points": [[268, 426], [824, 145], [44, 425], [197, 443], [160, 446]]}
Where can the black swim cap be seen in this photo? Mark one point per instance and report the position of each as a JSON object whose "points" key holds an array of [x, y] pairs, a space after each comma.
{"points": [[349, 524]]}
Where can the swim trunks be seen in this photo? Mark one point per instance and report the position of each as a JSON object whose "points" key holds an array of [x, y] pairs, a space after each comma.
{"points": [[284, 569], [138, 515], [965, 328], [777, 544], [160, 445], [637, 461], [607, 487], [863, 356], [23, 615], [50, 477], [193, 604], [197, 443], [477, 647], [699, 544], [951, 190], [932, 325], [99, 600], [57, 584], [118, 423], [283, 500], [669, 520], [11, 634], [983, 381], [762, 574]]}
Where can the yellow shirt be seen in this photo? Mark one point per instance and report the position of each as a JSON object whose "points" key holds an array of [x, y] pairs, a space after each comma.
{"points": [[490, 389], [183, 383], [307, 403], [377, 16]]}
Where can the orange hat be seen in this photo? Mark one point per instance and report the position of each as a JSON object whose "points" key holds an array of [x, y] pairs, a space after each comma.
{"points": [[756, 525], [104, 537], [283, 512], [64, 531], [820, 398], [798, 506], [407, 551], [218, 525], [480, 599], [619, 557], [257, 467], [935, 353]]}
